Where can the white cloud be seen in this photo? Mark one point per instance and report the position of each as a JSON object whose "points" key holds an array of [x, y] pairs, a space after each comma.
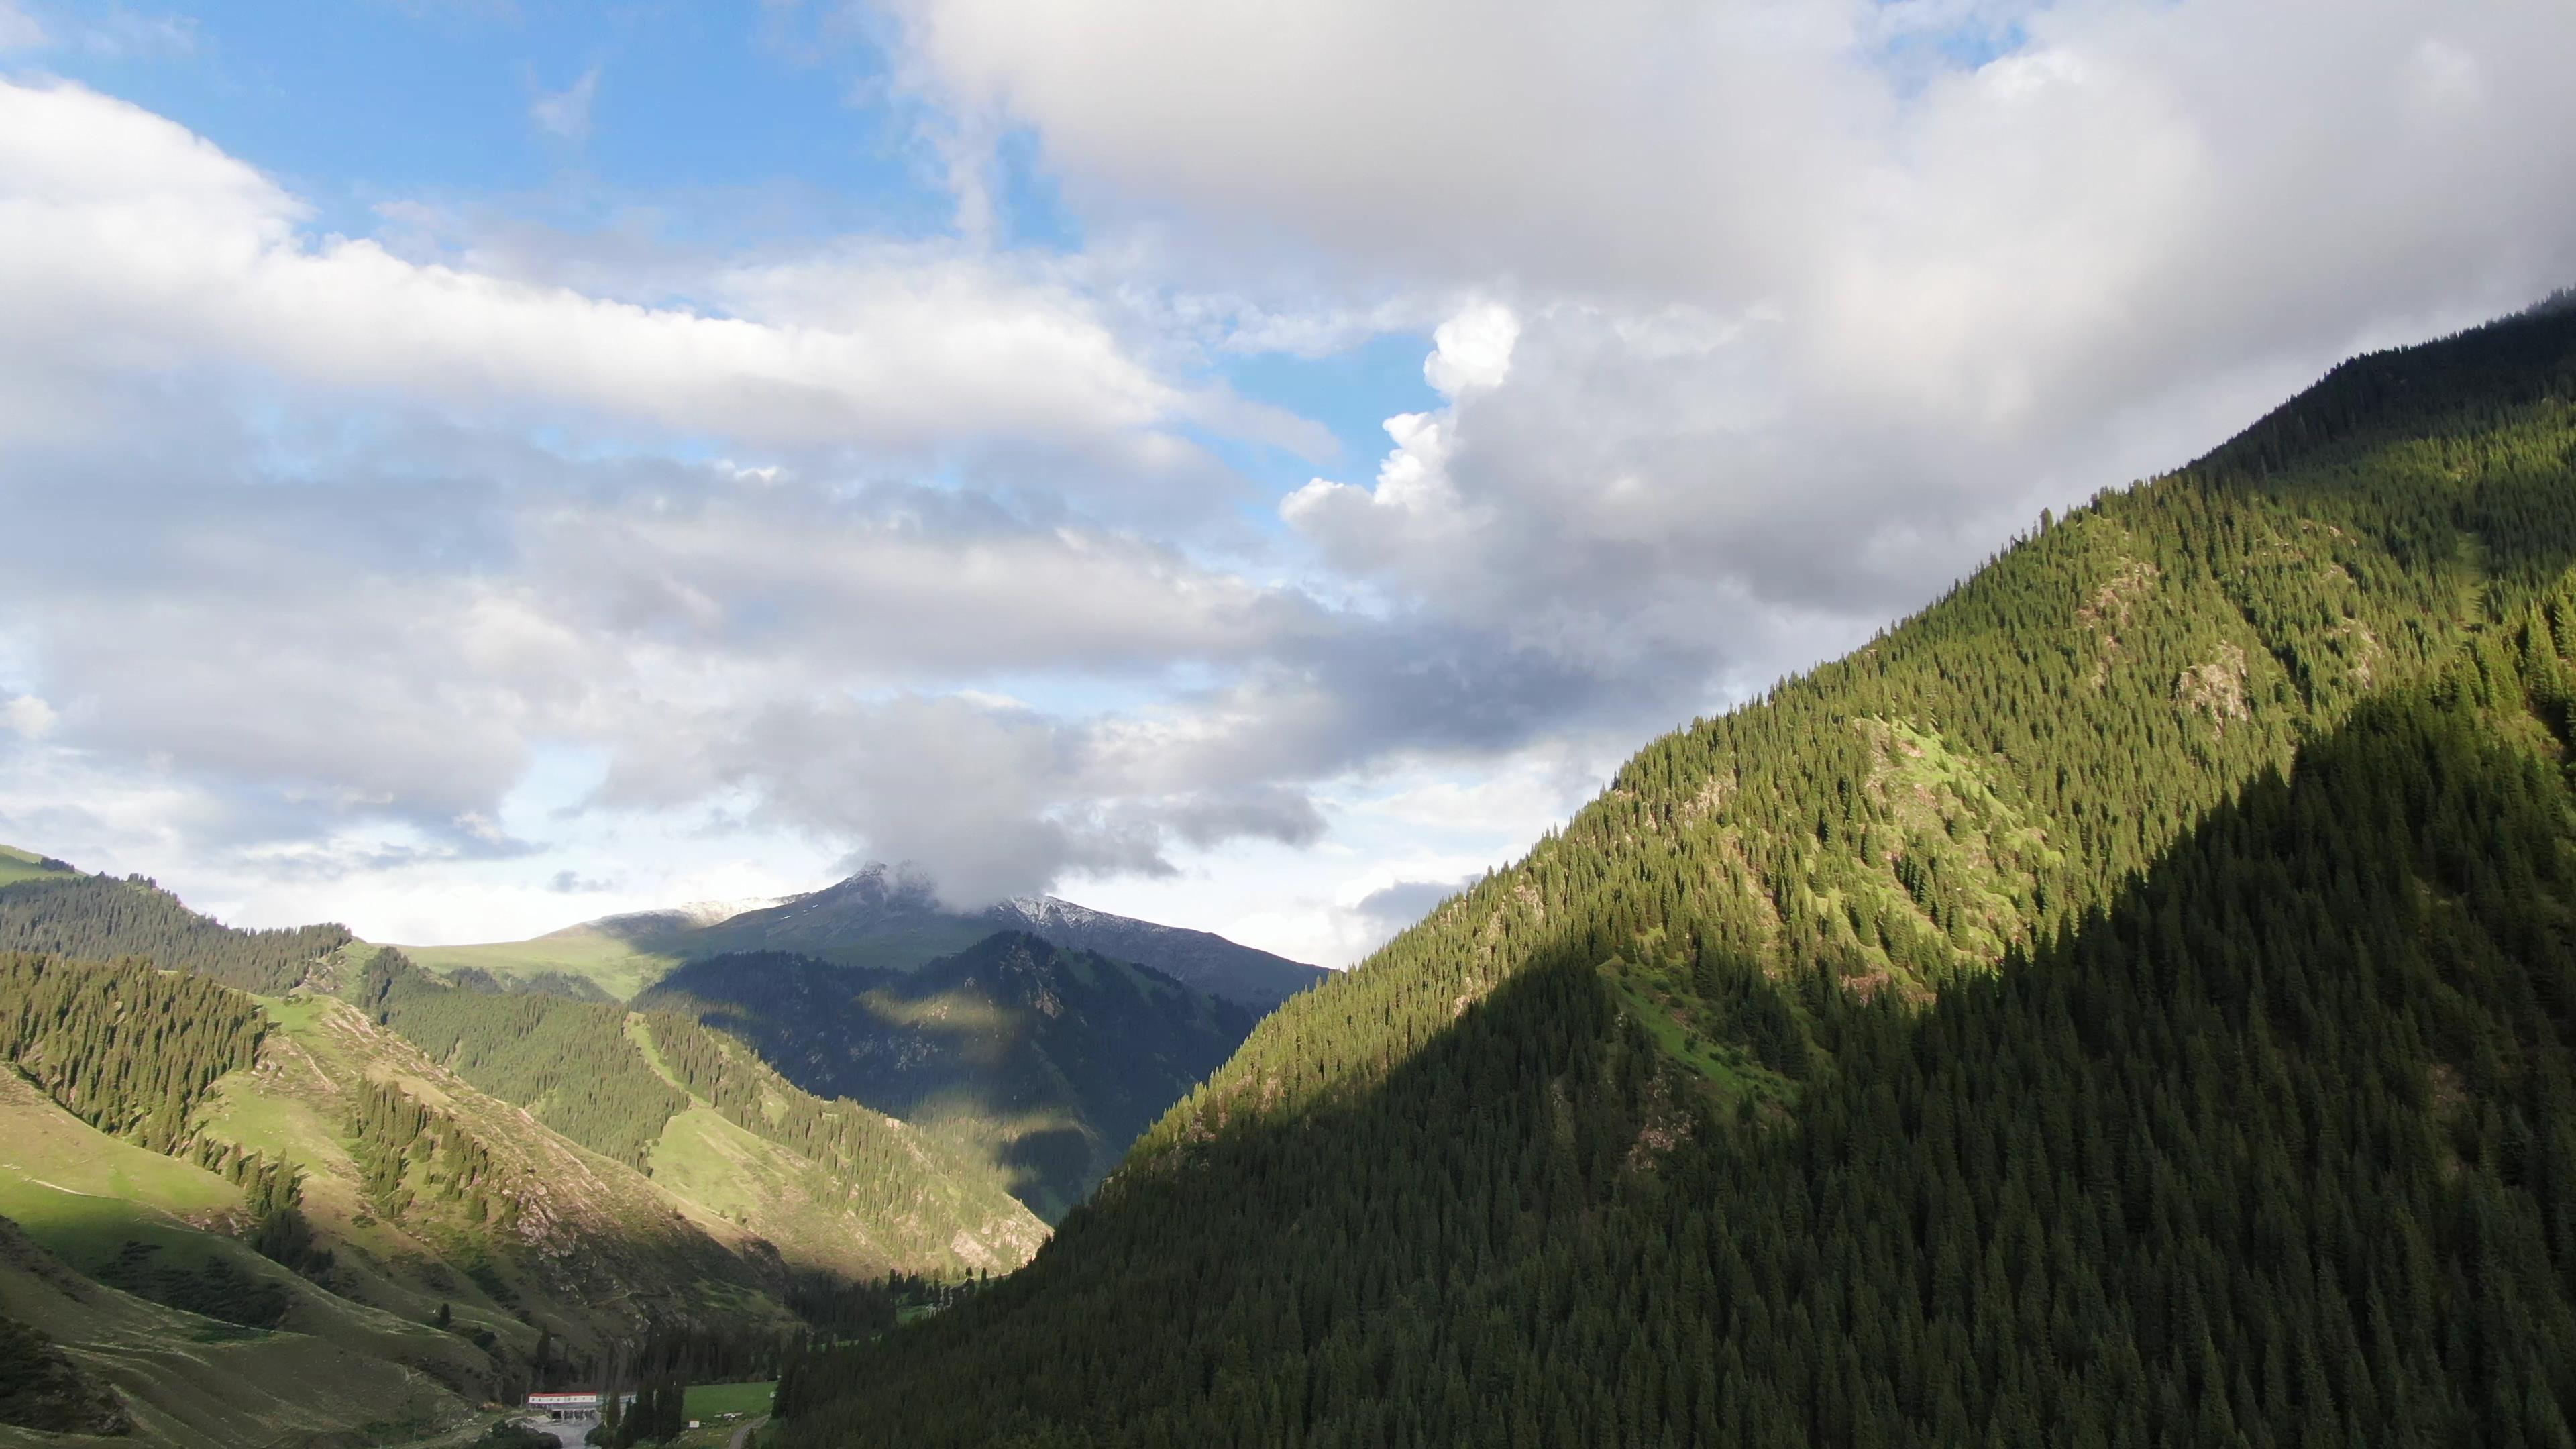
{"points": [[1472, 349], [28, 717], [1752, 324], [127, 242], [1780, 334]]}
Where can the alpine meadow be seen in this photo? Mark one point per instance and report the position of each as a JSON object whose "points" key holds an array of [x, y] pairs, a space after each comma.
{"points": [[985, 724]]}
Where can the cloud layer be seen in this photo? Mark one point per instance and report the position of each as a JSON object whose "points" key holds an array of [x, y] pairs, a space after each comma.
{"points": [[1746, 327]]}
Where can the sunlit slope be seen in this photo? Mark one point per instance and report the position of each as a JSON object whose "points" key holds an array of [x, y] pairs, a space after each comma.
{"points": [[1982, 773], [2127, 1002], [564, 960], [948, 1213], [830, 1185], [85, 1196], [523, 1085], [546, 1235], [1045, 1062], [17, 865]]}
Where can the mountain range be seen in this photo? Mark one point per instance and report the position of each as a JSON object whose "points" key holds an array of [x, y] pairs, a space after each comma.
{"points": [[877, 919], [470, 1183], [385, 1192], [2130, 1002]]}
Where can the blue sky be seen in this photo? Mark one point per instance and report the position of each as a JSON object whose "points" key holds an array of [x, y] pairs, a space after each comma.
{"points": [[500, 462]]}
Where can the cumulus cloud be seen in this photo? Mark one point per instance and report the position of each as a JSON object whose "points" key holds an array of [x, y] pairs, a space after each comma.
{"points": [[1784, 326], [987, 797]]}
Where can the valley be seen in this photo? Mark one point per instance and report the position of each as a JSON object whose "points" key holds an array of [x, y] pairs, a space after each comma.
{"points": [[449, 1192]]}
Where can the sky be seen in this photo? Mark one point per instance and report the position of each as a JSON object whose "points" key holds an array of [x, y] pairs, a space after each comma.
{"points": [[470, 466]]}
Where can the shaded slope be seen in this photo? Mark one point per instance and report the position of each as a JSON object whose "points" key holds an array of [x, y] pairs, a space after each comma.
{"points": [[1643, 1132], [1199, 959], [2283, 1144], [1052, 1061]]}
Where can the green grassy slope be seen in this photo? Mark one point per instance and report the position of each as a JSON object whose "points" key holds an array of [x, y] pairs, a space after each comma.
{"points": [[1976, 1040], [86, 1197], [570, 1242], [1045, 1062], [619, 968], [18, 865], [948, 1213], [829, 1184], [189, 1382], [498, 1233]]}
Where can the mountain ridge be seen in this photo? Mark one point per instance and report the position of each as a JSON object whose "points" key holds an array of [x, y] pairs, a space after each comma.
{"points": [[441, 1148], [877, 918], [2081, 1015], [1050, 1059]]}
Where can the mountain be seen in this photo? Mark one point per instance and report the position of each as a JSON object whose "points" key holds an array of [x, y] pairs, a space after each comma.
{"points": [[874, 919], [1049, 1060], [2129, 1002], [1199, 959], [360, 1149]]}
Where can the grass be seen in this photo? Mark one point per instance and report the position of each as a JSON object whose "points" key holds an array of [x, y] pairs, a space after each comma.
{"points": [[17, 865], [57, 1169], [757, 1184], [330, 1368], [1728, 1068], [705, 1401], [614, 966]]}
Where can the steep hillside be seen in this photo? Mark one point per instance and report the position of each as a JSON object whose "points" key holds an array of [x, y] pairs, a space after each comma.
{"points": [[1049, 1061], [96, 917], [2127, 1003], [616, 1178], [831, 1185], [289, 1163], [78, 1358], [17, 865], [876, 920]]}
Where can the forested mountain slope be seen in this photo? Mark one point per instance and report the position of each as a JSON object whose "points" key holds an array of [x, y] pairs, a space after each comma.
{"points": [[289, 1163], [831, 1184], [875, 919], [96, 917], [1049, 1061], [2127, 1003], [563, 1177]]}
